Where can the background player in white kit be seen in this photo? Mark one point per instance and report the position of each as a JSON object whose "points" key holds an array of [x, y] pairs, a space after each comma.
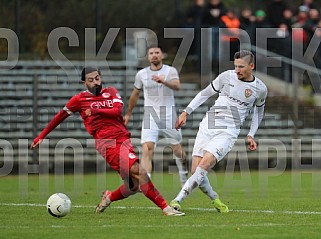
{"points": [[239, 93], [158, 82]]}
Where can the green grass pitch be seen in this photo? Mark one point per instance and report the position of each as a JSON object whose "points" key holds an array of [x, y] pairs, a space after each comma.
{"points": [[262, 205]]}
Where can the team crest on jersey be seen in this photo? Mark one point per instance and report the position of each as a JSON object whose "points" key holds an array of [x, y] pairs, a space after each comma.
{"points": [[131, 155], [106, 95], [248, 93]]}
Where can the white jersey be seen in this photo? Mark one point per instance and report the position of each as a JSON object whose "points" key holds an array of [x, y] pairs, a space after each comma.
{"points": [[157, 97], [235, 101]]}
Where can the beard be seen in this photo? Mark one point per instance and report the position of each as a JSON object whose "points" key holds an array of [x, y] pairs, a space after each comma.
{"points": [[156, 62], [95, 90]]}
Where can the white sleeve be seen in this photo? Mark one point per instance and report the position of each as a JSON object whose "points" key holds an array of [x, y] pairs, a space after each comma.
{"points": [[173, 74], [261, 100], [138, 83], [201, 97], [257, 117]]}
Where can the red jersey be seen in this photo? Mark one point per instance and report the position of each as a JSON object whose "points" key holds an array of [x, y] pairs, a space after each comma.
{"points": [[106, 113], [102, 116]]}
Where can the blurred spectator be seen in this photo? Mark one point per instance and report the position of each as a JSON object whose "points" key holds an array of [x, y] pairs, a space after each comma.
{"points": [[318, 29], [260, 20], [299, 36], [213, 12], [275, 12], [194, 20], [283, 31], [247, 22], [317, 57], [310, 28], [288, 19], [309, 4], [214, 15], [301, 17], [194, 14], [231, 36], [312, 23], [283, 44]]}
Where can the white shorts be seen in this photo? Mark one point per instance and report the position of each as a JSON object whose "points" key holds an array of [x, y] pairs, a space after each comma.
{"points": [[151, 132], [217, 142]]}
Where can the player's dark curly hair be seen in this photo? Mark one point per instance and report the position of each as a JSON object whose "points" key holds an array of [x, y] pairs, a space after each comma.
{"points": [[154, 46], [87, 70]]}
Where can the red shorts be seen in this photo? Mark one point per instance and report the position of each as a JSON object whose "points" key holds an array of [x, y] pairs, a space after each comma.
{"points": [[119, 155]]}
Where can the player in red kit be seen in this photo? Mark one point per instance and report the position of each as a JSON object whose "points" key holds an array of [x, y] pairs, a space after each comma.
{"points": [[101, 110]]}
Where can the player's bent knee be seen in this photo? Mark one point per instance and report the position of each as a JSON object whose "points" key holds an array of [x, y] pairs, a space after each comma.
{"points": [[133, 185]]}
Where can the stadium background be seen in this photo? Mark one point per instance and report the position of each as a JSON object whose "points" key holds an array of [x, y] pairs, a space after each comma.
{"points": [[34, 20], [37, 87]]}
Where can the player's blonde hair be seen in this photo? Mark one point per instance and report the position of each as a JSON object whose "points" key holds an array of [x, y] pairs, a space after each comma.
{"points": [[246, 55]]}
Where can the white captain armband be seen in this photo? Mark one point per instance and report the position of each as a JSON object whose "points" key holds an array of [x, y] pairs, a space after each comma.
{"points": [[67, 110]]}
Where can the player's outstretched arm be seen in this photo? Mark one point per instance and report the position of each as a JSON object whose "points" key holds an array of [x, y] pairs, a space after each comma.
{"points": [[132, 103], [59, 117], [258, 113], [35, 143], [251, 143], [181, 120]]}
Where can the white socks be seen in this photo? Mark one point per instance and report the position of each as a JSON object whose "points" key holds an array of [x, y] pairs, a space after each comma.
{"points": [[206, 188], [193, 182], [182, 169]]}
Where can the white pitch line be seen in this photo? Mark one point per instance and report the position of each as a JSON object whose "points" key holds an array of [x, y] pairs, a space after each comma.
{"points": [[187, 209], [149, 226]]}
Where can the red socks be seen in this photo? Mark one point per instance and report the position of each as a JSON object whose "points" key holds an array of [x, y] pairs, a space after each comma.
{"points": [[153, 194], [148, 189], [120, 193]]}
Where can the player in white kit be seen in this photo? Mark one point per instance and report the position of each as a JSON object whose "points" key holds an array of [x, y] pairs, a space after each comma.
{"points": [[158, 82], [239, 92]]}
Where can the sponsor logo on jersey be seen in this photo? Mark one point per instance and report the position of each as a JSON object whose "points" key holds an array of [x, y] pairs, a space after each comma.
{"points": [[102, 104], [106, 95], [131, 155], [219, 151], [238, 101], [248, 93]]}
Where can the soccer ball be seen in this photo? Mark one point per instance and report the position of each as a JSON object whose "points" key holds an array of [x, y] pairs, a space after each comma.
{"points": [[58, 205]]}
